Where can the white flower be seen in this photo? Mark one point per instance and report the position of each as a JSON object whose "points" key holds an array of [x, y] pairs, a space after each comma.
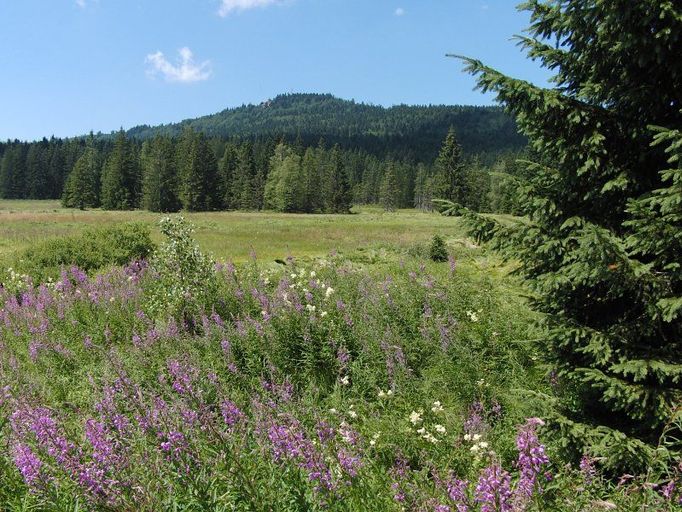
{"points": [[293, 276], [345, 380], [430, 438], [352, 414], [312, 273], [333, 411], [372, 442], [440, 429], [472, 316], [382, 394], [474, 448], [421, 431], [310, 307], [415, 417], [476, 437], [389, 392], [437, 407], [483, 444], [467, 437], [323, 314], [329, 291]]}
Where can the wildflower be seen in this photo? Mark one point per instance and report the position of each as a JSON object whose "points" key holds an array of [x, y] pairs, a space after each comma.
{"points": [[333, 411], [323, 314], [231, 413], [415, 417], [493, 491], [382, 394], [421, 431], [440, 429], [329, 291], [437, 407], [310, 307], [467, 437], [352, 414], [345, 380], [28, 464], [531, 459], [483, 445], [472, 316], [430, 438]]}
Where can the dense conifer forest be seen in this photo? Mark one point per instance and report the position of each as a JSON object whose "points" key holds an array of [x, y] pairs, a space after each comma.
{"points": [[296, 153]]}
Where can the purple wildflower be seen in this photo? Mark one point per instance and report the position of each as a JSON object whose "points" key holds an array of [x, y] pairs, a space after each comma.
{"points": [[493, 491]]}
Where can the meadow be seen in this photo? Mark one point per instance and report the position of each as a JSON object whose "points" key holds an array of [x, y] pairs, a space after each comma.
{"points": [[277, 362], [236, 235]]}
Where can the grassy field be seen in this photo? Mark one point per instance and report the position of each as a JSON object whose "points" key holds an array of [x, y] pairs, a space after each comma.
{"points": [[234, 235]]}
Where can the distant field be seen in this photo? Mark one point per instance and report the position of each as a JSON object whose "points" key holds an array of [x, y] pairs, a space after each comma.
{"points": [[234, 235]]}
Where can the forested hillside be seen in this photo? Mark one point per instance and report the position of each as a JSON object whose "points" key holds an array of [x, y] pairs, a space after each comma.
{"points": [[362, 153], [403, 131]]}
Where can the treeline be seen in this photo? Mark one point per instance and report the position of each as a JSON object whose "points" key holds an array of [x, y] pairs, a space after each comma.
{"points": [[197, 173]]}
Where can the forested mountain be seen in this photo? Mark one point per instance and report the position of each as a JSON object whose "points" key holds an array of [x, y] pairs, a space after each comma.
{"points": [[297, 152], [403, 131]]}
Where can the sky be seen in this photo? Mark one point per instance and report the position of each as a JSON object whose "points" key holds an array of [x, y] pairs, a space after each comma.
{"points": [[71, 66]]}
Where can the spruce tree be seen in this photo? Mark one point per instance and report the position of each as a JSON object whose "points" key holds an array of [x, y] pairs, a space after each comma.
{"points": [[159, 176], [602, 249], [226, 171], [450, 182], [80, 190], [121, 179], [389, 192], [199, 188], [339, 199]]}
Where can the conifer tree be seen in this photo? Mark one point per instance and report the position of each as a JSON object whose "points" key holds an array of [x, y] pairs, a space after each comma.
{"points": [[121, 179], [602, 250], [159, 176], [226, 171], [389, 192], [450, 182], [13, 172], [37, 184], [242, 192], [199, 188], [81, 187], [339, 199]]}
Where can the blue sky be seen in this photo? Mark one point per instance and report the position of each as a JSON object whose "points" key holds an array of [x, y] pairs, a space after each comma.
{"points": [[71, 66]]}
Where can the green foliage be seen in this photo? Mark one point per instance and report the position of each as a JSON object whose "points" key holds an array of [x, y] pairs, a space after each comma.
{"points": [[602, 251], [182, 283], [405, 132], [81, 189], [121, 179], [389, 192], [438, 251], [94, 249], [159, 176], [198, 174], [286, 189]]}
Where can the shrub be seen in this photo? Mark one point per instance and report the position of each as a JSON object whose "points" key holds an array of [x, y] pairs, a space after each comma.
{"points": [[438, 251], [182, 279], [94, 249]]}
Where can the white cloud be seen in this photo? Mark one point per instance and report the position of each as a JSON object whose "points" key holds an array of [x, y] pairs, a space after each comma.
{"points": [[185, 71], [227, 7], [80, 3], [399, 11]]}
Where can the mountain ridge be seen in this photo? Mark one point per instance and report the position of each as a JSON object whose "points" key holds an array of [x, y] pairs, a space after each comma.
{"points": [[406, 131]]}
